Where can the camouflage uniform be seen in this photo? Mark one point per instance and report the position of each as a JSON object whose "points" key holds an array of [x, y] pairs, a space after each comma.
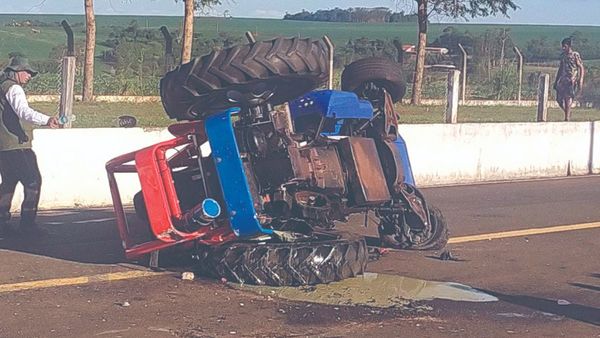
{"points": [[566, 84]]}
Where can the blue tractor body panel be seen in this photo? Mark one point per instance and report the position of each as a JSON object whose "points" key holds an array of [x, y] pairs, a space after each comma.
{"points": [[332, 104], [406, 167], [238, 199], [340, 105]]}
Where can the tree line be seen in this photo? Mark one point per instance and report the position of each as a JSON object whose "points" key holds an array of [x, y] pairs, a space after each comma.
{"points": [[356, 14]]}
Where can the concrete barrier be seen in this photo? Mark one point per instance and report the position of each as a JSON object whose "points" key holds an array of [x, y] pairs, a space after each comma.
{"points": [[73, 161], [426, 102], [97, 98], [491, 103], [468, 153]]}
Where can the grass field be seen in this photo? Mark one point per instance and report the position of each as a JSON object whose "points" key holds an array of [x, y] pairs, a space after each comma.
{"points": [[149, 115], [38, 45]]}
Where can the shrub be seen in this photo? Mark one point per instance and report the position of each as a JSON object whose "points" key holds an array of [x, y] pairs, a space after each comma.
{"points": [[502, 85]]}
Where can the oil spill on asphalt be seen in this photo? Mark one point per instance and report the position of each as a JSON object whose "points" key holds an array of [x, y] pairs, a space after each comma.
{"points": [[376, 290]]}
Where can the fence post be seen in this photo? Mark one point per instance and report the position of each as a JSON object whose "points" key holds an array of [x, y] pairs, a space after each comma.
{"points": [[330, 48], [519, 71], [464, 72], [543, 89], [169, 57], [398, 45], [452, 95], [65, 110], [66, 91], [250, 37]]}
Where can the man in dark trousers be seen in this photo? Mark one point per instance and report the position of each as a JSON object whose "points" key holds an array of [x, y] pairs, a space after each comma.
{"points": [[569, 78], [18, 162]]}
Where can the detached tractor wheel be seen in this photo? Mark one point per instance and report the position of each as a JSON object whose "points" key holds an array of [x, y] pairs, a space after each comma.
{"points": [[327, 259], [275, 71], [379, 71], [394, 234]]}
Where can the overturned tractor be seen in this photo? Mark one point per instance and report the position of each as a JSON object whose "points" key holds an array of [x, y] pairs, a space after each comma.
{"points": [[254, 181]]}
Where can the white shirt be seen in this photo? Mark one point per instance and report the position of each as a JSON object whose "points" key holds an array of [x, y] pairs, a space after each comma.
{"points": [[18, 101]]}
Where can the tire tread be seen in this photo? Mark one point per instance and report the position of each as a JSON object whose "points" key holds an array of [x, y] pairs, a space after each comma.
{"points": [[286, 264], [196, 90]]}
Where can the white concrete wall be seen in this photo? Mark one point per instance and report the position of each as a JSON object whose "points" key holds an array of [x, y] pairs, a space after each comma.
{"points": [[72, 161], [467, 153], [428, 102], [490, 103], [594, 156], [97, 98]]}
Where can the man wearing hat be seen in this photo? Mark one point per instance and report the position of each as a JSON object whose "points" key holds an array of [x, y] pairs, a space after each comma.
{"points": [[18, 162]]}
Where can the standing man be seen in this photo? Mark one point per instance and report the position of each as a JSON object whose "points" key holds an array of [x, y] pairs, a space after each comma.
{"points": [[569, 78], [18, 162]]}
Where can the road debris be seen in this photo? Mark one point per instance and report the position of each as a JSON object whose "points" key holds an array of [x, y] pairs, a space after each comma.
{"points": [[376, 252], [447, 255], [187, 275]]}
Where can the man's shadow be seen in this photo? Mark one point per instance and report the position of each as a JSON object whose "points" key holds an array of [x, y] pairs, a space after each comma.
{"points": [[79, 235]]}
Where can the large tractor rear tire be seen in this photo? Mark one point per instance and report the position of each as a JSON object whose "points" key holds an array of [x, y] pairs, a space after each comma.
{"points": [[288, 67], [286, 264]]}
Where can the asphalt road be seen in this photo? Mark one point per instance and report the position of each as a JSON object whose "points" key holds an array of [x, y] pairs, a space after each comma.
{"points": [[547, 284]]}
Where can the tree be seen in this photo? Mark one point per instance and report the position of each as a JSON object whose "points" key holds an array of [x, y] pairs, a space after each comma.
{"points": [[454, 9], [188, 24], [90, 43]]}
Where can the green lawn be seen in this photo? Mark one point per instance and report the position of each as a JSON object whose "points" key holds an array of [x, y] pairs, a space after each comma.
{"points": [[100, 115], [105, 115]]}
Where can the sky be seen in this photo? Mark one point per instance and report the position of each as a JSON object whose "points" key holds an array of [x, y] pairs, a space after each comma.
{"points": [[555, 12]]}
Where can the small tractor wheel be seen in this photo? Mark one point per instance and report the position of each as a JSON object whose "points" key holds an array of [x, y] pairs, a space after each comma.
{"points": [[392, 234], [378, 70], [285, 67], [325, 260]]}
